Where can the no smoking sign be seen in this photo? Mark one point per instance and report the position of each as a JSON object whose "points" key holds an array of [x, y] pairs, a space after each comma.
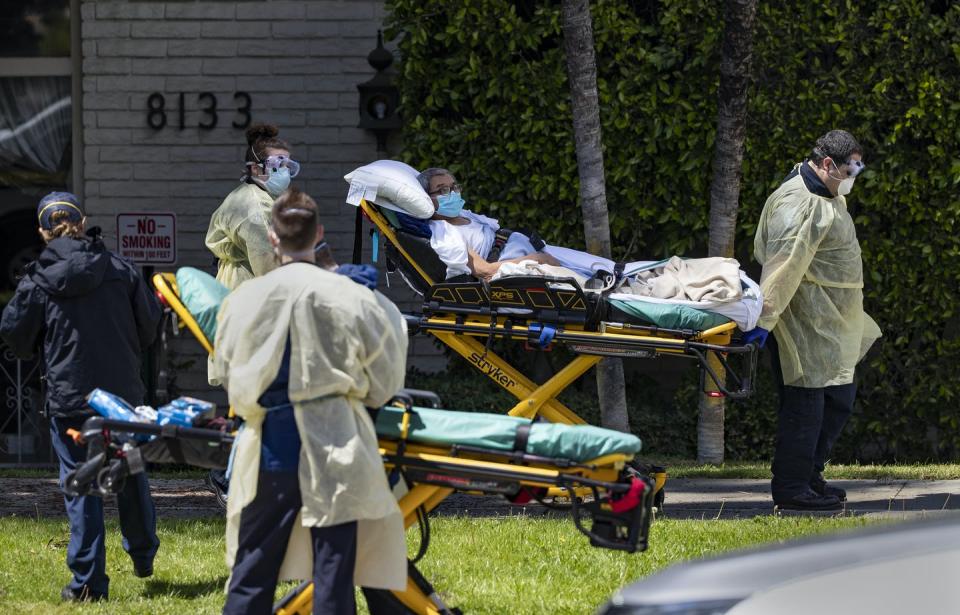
{"points": [[148, 238]]}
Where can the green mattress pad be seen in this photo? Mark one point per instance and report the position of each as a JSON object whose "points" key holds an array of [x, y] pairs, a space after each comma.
{"points": [[202, 295], [668, 316], [499, 432]]}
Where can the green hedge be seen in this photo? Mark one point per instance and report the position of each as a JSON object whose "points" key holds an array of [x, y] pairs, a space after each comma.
{"points": [[484, 92]]}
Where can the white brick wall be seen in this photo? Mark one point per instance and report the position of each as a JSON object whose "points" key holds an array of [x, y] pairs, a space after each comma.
{"points": [[299, 61]]}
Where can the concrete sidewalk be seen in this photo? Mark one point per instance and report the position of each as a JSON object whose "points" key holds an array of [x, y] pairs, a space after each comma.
{"points": [[41, 497], [708, 498], [686, 498]]}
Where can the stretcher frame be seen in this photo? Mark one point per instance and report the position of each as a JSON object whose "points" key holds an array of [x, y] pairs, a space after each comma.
{"points": [[449, 471], [108, 465], [460, 314]]}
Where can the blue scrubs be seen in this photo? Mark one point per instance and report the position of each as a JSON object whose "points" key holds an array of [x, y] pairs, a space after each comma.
{"points": [[86, 552], [266, 522]]}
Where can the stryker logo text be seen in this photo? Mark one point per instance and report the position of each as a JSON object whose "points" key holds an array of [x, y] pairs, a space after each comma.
{"points": [[492, 371]]}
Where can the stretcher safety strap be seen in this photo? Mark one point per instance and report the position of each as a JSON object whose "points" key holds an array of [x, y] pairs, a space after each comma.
{"points": [[631, 499], [521, 437], [358, 236], [405, 425], [394, 477], [544, 334]]}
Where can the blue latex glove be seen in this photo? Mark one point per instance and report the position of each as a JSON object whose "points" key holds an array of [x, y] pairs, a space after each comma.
{"points": [[365, 275], [756, 335]]}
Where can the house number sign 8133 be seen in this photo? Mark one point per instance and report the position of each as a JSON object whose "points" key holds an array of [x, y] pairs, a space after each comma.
{"points": [[206, 106]]}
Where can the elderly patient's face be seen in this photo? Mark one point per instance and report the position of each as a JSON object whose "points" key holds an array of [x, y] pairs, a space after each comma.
{"points": [[441, 184]]}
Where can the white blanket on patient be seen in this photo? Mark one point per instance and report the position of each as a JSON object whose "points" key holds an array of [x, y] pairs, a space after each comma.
{"points": [[538, 269], [715, 295]]}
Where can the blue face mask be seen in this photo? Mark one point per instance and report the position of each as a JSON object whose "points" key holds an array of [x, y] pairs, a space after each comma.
{"points": [[450, 205], [278, 182]]}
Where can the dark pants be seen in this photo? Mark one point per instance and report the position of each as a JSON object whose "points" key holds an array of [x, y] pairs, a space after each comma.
{"points": [[809, 423], [265, 526], [86, 553]]}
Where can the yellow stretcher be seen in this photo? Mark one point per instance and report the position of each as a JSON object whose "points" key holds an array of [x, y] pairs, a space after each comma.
{"points": [[616, 514], [467, 314]]}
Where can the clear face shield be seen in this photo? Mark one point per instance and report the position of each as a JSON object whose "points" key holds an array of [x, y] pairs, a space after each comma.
{"points": [[274, 163], [853, 168]]}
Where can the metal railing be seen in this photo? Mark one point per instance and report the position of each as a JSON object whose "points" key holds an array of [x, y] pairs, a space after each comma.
{"points": [[21, 427]]}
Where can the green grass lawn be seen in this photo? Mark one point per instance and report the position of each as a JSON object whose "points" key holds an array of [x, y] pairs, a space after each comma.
{"points": [[509, 565]]}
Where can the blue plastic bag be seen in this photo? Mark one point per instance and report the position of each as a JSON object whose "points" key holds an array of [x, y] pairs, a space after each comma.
{"points": [[184, 411], [115, 408]]}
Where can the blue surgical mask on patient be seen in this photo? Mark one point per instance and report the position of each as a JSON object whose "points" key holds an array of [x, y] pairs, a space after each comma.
{"points": [[278, 182], [450, 205]]}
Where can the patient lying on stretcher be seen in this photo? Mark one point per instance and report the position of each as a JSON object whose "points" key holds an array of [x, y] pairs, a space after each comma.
{"points": [[468, 242], [464, 240], [471, 243]]}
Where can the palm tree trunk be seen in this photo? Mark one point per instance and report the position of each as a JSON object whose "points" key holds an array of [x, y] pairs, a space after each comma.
{"points": [[582, 74], [725, 186]]}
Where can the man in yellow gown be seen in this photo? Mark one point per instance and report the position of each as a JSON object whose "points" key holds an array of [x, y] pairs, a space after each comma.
{"points": [[302, 351], [812, 286]]}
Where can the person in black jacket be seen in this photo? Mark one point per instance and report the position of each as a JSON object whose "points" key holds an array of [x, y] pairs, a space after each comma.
{"points": [[93, 316]]}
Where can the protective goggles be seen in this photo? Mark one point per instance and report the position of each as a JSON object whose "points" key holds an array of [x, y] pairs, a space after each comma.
{"points": [[854, 168], [272, 163]]}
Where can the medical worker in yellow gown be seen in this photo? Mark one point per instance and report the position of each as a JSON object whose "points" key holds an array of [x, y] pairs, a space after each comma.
{"points": [[237, 234], [301, 351], [812, 286]]}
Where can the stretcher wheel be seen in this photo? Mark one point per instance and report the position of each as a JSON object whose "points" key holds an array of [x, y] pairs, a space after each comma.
{"points": [[558, 499], [659, 476], [73, 488], [111, 478], [80, 481]]}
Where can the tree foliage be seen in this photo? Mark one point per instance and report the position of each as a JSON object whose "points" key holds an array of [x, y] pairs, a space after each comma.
{"points": [[484, 93]]}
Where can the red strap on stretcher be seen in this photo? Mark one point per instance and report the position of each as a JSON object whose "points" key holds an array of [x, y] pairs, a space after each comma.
{"points": [[631, 498]]}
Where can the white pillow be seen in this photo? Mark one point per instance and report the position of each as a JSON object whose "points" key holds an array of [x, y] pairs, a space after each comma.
{"points": [[391, 184]]}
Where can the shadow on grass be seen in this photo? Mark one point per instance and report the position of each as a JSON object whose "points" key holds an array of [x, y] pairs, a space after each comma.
{"points": [[196, 589]]}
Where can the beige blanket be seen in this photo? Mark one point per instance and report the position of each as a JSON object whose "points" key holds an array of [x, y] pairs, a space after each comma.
{"points": [[695, 279]]}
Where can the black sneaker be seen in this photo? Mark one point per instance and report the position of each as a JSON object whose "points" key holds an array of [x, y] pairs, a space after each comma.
{"points": [[217, 483], [67, 594], [809, 500], [820, 486]]}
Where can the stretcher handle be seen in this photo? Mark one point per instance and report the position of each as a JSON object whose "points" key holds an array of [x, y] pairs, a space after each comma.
{"points": [[97, 424], [635, 518], [423, 395], [77, 482], [413, 323]]}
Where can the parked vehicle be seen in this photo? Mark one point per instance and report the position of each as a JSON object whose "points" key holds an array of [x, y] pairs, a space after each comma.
{"points": [[890, 569]]}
